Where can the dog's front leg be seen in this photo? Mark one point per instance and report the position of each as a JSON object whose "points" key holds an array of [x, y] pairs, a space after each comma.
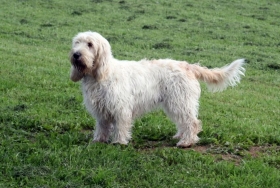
{"points": [[122, 131], [102, 131]]}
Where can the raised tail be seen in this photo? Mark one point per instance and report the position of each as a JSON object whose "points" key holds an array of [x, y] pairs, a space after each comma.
{"points": [[218, 79]]}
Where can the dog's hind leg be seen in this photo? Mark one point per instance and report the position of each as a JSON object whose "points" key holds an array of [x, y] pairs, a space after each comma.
{"points": [[183, 111], [188, 131], [188, 126]]}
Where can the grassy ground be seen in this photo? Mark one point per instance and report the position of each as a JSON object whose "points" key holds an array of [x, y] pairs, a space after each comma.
{"points": [[45, 132]]}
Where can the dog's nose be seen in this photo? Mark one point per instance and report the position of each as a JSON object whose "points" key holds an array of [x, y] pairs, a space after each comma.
{"points": [[77, 55]]}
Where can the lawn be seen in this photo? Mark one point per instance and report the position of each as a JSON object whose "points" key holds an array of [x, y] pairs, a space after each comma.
{"points": [[46, 133]]}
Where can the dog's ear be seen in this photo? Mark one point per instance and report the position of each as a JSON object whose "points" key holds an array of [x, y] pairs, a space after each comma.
{"points": [[75, 75], [103, 52], [103, 56]]}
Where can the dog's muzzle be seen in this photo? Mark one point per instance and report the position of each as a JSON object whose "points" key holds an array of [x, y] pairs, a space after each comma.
{"points": [[77, 62], [77, 55]]}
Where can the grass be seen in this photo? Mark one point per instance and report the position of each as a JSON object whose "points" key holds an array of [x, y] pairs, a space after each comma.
{"points": [[46, 132]]}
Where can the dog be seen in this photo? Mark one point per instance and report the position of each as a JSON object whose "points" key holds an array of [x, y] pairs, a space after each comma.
{"points": [[116, 91]]}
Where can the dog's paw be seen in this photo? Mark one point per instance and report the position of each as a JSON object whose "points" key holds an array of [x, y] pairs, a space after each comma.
{"points": [[184, 144], [100, 141], [122, 142]]}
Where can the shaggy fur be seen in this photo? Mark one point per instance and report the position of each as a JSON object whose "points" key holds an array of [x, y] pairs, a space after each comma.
{"points": [[116, 92]]}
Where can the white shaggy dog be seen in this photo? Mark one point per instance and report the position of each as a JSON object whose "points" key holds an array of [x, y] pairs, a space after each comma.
{"points": [[116, 92]]}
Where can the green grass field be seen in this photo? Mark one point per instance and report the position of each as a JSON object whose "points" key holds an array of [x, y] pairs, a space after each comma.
{"points": [[46, 133]]}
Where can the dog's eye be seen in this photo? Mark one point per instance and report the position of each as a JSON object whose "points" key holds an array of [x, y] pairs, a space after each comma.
{"points": [[89, 44]]}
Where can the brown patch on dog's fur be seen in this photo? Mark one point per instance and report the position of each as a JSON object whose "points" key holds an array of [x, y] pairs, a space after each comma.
{"points": [[187, 69], [184, 66], [207, 75]]}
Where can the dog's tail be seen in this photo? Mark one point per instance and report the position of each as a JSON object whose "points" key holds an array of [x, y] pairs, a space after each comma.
{"points": [[218, 79]]}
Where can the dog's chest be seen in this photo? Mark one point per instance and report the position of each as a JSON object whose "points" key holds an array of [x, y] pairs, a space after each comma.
{"points": [[94, 93], [105, 98]]}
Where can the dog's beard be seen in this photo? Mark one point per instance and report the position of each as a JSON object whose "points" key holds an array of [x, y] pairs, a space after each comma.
{"points": [[79, 65]]}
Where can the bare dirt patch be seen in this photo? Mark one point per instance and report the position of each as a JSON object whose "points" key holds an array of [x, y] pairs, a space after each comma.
{"points": [[236, 156], [255, 151]]}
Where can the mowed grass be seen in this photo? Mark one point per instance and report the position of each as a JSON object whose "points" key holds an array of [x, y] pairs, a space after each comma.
{"points": [[46, 133]]}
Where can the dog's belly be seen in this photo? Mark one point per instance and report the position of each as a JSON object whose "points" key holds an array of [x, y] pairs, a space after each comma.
{"points": [[146, 96], [144, 104]]}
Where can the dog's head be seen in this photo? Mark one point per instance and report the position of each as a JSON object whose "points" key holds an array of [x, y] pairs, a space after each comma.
{"points": [[90, 51]]}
